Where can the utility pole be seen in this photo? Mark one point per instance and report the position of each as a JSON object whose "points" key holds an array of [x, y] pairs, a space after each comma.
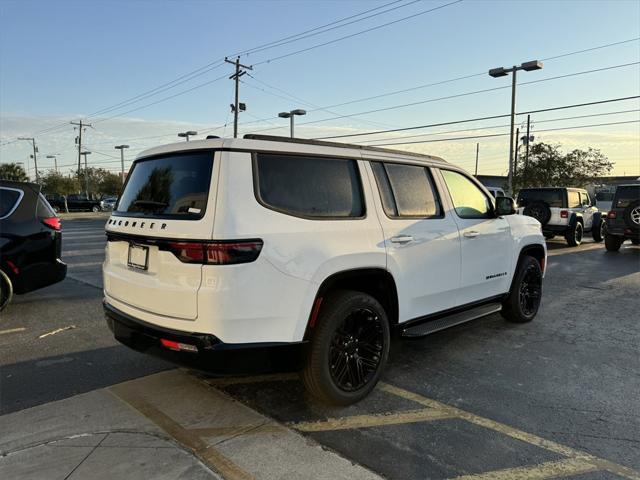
{"points": [[35, 154], [477, 155], [236, 76], [79, 141], [515, 154], [86, 173], [526, 154]]}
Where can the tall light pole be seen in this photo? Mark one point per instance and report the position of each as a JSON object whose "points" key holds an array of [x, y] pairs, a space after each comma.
{"points": [[35, 154], [86, 172], [55, 161], [186, 135], [290, 116], [121, 148], [502, 72]]}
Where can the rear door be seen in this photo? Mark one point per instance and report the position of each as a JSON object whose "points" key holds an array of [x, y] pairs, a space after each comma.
{"points": [[168, 200], [421, 239]]}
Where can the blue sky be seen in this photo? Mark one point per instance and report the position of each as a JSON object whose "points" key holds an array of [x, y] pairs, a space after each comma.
{"points": [[63, 60]]}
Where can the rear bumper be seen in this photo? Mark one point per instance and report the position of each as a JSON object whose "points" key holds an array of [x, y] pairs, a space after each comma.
{"points": [[213, 355], [556, 229], [39, 276], [622, 230]]}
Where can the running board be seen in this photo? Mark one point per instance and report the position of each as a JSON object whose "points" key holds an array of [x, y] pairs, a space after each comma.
{"points": [[431, 326]]}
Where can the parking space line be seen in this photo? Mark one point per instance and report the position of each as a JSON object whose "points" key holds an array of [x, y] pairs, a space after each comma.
{"points": [[561, 468], [530, 438], [12, 330], [371, 420], [208, 454], [275, 377]]}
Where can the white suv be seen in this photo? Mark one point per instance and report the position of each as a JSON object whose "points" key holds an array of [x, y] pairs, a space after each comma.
{"points": [[235, 244], [563, 211]]}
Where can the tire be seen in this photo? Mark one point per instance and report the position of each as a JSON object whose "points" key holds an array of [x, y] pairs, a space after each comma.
{"points": [[613, 242], [631, 216], [574, 236], [524, 299], [6, 290], [538, 210], [334, 371], [598, 231], [549, 236], [95, 209]]}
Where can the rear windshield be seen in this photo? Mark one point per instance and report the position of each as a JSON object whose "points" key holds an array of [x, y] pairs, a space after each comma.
{"points": [[551, 196], [169, 186], [626, 196]]}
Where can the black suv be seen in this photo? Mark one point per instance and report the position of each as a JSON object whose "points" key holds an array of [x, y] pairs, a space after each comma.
{"points": [[623, 220], [30, 241]]}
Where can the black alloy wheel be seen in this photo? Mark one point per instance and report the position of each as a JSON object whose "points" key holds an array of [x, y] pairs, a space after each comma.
{"points": [[356, 350], [348, 348], [530, 292]]}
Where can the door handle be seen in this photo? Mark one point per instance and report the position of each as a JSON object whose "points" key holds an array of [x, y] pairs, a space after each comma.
{"points": [[471, 234], [402, 239]]}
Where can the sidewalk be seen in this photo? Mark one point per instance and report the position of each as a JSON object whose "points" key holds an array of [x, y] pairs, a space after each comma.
{"points": [[165, 426]]}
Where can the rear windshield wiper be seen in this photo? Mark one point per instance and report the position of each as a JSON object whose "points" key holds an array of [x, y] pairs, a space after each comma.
{"points": [[150, 204]]}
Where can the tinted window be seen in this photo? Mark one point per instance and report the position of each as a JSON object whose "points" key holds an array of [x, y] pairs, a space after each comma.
{"points": [[468, 200], [625, 196], [8, 200], [175, 185], [604, 196], [573, 199], [310, 186], [409, 189], [554, 197]]}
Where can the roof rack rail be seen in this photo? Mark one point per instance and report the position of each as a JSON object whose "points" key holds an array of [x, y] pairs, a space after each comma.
{"points": [[322, 143]]}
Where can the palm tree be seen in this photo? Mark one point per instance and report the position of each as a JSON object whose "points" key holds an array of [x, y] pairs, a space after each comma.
{"points": [[13, 171]]}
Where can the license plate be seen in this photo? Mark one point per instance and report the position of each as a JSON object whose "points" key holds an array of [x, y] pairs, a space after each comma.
{"points": [[138, 257]]}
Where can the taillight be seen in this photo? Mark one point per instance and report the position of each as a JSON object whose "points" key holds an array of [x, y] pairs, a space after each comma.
{"points": [[216, 253], [612, 215], [564, 214], [177, 346], [53, 222]]}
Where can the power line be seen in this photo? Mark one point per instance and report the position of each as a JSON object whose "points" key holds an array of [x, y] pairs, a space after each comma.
{"points": [[476, 119], [502, 126], [502, 134]]}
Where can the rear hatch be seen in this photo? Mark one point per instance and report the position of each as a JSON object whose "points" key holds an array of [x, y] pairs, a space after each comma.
{"points": [[168, 200]]}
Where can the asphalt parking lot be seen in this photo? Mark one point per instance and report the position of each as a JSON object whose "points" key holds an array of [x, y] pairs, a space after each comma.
{"points": [[557, 397]]}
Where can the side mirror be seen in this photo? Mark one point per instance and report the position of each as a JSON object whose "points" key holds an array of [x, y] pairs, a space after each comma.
{"points": [[505, 206]]}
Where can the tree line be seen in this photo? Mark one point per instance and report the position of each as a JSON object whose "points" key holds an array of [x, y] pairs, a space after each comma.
{"points": [[101, 181]]}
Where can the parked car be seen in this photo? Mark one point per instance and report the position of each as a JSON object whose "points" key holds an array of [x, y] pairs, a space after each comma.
{"points": [[84, 203], [496, 192], [30, 241], [623, 220], [562, 211], [226, 244], [109, 203], [56, 201]]}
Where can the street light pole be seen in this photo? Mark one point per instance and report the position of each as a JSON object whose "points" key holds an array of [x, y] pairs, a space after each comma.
{"points": [[55, 161], [290, 116], [121, 148], [35, 154], [502, 72], [187, 134]]}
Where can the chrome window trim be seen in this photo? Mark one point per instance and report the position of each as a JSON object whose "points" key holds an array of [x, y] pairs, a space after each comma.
{"points": [[13, 209]]}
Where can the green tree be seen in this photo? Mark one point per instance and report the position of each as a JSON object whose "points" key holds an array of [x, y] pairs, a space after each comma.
{"points": [[548, 166], [13, 171], [101, 181], [54, 182]]}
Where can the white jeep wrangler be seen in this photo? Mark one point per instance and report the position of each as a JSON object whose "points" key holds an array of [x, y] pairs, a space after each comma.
{"points": [[233, 245], [563, 211]]}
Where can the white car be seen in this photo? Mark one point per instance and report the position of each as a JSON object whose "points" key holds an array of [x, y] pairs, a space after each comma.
{"points": [[230, 244], [496, 192], [563, 211]]}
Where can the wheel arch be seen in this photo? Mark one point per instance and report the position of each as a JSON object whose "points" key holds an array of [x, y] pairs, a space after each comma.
{"points": [[536, 251], [377, 282]]}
